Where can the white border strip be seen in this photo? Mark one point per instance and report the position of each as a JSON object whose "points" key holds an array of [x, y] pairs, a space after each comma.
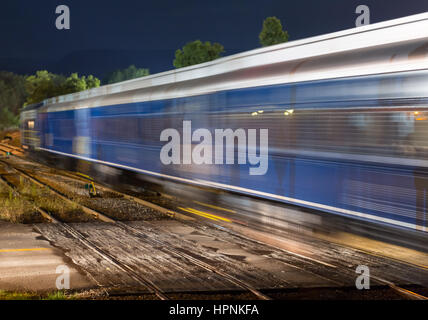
{"points": [[252, 192]]}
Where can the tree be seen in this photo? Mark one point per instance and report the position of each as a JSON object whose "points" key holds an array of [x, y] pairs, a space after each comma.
{"points": [[44, 85], [12, 91], [17, 91], [12, 97], [92, 82], [197, 52], [8, 119], [272, 32], [73, 84], [132, 72]]}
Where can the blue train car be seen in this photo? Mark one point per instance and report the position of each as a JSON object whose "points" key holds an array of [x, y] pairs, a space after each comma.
{"points": [[337, 123]]}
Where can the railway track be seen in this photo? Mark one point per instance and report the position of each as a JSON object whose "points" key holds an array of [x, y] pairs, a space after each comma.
{"points": [[114, 260], [106, 256], [11, 149], [381, 281], [174, 251]]}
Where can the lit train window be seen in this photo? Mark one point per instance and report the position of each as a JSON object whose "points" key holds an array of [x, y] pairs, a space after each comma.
{"points": [[30, 124]]}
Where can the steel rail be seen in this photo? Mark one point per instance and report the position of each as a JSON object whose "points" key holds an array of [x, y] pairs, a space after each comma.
{"points": [[93, 247], [202, 264], [402, 291], [173, 251]]}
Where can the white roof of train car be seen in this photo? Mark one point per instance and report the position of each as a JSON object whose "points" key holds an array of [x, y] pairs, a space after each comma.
{"points": [[411, 28]]}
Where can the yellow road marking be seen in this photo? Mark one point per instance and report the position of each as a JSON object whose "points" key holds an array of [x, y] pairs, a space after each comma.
{"points": [[84, 176], [204, 214], [208, 215], [22, 250], [214, 207]]}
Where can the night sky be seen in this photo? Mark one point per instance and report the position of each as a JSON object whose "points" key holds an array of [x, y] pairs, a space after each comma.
{"points": [[106, 35]]}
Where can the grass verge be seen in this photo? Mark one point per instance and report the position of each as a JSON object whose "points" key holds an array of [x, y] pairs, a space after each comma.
{"points": [[56, 295]]}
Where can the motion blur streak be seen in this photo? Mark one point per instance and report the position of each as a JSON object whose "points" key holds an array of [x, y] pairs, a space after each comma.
{"points": [[204, 214], [345, 113], [214, 207]]}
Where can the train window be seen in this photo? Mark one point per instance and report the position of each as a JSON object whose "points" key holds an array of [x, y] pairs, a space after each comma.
{"points": [[30, 124]]}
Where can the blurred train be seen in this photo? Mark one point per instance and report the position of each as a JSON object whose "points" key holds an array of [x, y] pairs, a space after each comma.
{"points": [[347, 116]]}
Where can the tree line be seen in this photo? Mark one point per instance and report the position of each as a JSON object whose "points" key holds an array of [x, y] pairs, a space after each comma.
{"points": [[17, 91]]}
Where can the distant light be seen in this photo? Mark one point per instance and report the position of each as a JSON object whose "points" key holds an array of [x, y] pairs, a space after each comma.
{"points": [[416, 113], [289, 112], [254, 114], [261, 111]]}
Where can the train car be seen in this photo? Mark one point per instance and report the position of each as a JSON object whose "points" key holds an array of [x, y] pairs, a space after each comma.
{"points": [[344, 117]]}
